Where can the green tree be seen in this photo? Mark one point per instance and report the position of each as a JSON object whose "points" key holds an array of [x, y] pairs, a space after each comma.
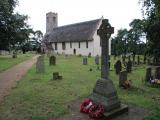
{"points": [[13, 26], [151, 11]]}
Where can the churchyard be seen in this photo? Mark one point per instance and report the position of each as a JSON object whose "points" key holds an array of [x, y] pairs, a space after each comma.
{"points": [[38, 97], [6, 61]]}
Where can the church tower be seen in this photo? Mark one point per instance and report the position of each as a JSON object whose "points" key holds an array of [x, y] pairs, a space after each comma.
{"points": [[51, 21]]}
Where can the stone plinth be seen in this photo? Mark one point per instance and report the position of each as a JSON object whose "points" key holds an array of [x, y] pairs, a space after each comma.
{"points": [[104, 93]]}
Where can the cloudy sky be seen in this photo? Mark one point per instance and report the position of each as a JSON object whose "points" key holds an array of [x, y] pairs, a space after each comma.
{"points": [[119, 12]]}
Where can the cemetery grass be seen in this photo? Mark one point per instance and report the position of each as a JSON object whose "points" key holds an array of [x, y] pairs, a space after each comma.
{"points": [[37, 97], [6, 61]]}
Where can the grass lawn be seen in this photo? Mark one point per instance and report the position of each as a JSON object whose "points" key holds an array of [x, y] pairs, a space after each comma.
{"points": [[7, 61], [37, 97]]}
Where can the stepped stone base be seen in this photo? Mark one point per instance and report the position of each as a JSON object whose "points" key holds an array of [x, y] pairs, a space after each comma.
{"points": [[116, 112], [105, 94]]}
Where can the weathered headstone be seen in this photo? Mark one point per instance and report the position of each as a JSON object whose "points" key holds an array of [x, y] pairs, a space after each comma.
{"points": [[122, 77], [14, 54], [40, 64], [85, 61], [89, 55], [56, 76], [148, 76], [129, 66], [157, 73], [138, 60], [118, 66], [52, 60], [123, 59], [97, 60], [104, 92]]}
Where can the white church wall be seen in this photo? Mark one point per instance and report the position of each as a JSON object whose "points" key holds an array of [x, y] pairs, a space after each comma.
{"points": [[75, 45]]}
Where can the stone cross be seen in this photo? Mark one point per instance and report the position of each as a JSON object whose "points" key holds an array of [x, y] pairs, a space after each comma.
{"points": [[104, 92], [105, 32]]}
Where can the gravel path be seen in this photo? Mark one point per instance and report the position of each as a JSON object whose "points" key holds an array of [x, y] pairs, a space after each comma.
{"points": [[9, 77]]}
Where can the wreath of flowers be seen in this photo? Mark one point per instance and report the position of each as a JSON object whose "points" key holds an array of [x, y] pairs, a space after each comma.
{"points": [[94, 110]]}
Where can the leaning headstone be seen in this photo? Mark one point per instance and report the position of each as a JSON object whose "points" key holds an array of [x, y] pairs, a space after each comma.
{"points": [[148, 76], [40, 64], [97, 60], [85, 61], [118, 67], [129, 66], [122, 77], [157, 73], [52, 60], [104, 92]]}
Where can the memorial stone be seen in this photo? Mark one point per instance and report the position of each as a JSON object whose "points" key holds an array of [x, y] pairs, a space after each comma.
{"points": [[104, 92], [40, 64], [97, 60], [129, 66], [118, 66], [85, 61], [148, 76], [52, 60], [122, 77], [157, 73]]}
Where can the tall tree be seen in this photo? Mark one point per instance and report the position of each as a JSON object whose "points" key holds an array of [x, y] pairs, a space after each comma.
{"points": [[151, 10], [13, 27]]}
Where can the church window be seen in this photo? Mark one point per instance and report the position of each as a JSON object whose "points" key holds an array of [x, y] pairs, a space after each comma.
{"points": [[79, 44], [86, 44], [63, 46], [70, 44], [47, 19], [54, 19], [55, 46]]}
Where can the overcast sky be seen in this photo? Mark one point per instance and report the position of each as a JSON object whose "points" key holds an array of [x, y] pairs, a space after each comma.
{"points": [[119, 12]]}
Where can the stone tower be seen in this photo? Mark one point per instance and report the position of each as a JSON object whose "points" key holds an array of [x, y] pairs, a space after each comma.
{"points": [[51, 21]]}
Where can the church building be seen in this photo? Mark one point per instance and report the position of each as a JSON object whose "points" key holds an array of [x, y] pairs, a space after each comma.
{"points": [[78, 38]]}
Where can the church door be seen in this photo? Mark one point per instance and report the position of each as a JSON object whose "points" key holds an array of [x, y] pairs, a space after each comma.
{"points": [[74, 51]]}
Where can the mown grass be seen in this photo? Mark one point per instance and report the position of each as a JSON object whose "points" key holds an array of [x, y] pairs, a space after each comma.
{"points": [[37, 97], [6, 61]]}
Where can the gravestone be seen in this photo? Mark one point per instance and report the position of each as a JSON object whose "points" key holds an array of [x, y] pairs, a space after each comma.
{"points": [[129, 58], [97, 60], [122, 77], [40, 64], [157, 73], [144, 59], [89, 55], [104, 92], [123, 59], [14, 54], [148, 76], [56, 76], [85, 61], [118, 66], [129, 66], [52, 60], [138, 60]]}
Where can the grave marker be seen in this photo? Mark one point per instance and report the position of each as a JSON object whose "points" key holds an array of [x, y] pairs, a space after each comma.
{"points": [[40, 64], [104, 92]]}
